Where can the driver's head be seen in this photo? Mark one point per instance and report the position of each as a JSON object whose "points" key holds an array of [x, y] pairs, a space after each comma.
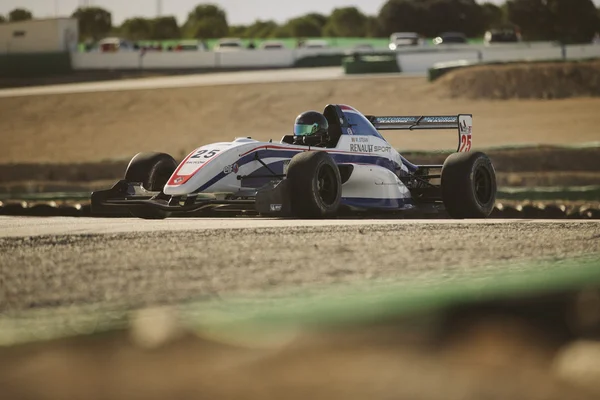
{"points": [[311, 123]]}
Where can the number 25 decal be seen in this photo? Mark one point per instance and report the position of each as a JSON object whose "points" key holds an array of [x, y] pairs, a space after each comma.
{"points": [[465, 143], [206, 153]]}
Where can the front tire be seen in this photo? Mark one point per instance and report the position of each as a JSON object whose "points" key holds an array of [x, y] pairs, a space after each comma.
{"points": [[315, 185], [468, 185], [153, 171]]}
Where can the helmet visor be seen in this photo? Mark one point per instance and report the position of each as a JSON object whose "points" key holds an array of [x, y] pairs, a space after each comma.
{"points": [[305, 130]]}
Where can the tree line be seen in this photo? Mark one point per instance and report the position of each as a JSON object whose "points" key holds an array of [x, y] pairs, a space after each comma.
{"points": [[567, 21]]}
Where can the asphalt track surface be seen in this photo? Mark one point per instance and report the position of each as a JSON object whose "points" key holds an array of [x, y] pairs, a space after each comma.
{"points": [[206, 79], [65, 262]]}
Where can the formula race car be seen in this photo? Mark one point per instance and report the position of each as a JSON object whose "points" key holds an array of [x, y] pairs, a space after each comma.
{"points": [[336, 162]]}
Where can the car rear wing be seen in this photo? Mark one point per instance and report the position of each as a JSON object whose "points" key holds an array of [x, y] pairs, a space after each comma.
{"points": [[463, 123]]}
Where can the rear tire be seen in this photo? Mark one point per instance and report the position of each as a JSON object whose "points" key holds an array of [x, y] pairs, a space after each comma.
{"points": [[153, 171], [468, 185], [315, 185]]}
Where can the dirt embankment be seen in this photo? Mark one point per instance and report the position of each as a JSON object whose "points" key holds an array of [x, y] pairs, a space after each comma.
{"points": [[559, 80], [91, 127]]}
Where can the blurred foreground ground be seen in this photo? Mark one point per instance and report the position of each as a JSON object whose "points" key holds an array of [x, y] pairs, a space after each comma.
{"points": [[521, 347]]}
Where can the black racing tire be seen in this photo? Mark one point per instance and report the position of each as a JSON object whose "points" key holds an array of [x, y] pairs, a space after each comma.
{"points": [[153, 171], [468, 185], [315, 185]]}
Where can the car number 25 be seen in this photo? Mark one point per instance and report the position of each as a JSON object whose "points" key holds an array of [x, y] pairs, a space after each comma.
{"points": [[204, 153]]}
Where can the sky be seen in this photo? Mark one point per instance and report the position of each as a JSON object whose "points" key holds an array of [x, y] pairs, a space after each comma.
{"points": [[238, 11]]}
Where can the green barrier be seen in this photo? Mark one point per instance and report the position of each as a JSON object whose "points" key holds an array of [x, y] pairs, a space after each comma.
{"points": [[370, 65], [34, 64]]}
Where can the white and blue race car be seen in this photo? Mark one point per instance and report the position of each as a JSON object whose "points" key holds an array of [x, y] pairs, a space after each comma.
{"points": [[352, 169]]}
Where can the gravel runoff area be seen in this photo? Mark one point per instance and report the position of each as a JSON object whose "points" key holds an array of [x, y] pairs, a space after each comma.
{"points": [[149, 268]]}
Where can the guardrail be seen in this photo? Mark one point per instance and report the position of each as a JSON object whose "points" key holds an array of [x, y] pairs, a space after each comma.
{"points": [[422, 61]]}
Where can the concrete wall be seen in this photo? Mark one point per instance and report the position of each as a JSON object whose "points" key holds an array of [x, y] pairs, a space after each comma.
{"points": [[582, 52], [39, 36], [414, 61], [421, 62], [255, 58]]}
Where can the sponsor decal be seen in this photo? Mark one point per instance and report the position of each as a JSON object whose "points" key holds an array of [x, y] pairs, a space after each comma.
{"points": [[440, 120], [178, 180], [411, 120], [360, 139], [350, 131], [231, 168], [382, 149], [369, 148], [396, 120], [275, 207], [361, 148], [465, 130]]}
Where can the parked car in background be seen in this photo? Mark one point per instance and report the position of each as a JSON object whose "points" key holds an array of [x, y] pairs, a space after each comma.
{"points": [[404, 39], [272, 45], [502, 36], [190, 45], [451, 38], [229, 44], [114, 44], [316, 44]]}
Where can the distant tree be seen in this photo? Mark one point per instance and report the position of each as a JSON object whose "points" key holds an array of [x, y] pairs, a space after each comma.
{"points": [[374, 28], [261, 29], [303, 27], [320, 19], [575, 21], [164, 28], [346, 22], [136, 29], [282, 31], [2, 19], [567, 21], [19, 14], [206, 21], [493, 15], [237, 30], [209, 28], [431, 17], [94, 22], [401, 16]]}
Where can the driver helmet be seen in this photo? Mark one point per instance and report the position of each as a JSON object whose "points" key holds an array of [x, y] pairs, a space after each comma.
{"points": [[311, 123]]}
